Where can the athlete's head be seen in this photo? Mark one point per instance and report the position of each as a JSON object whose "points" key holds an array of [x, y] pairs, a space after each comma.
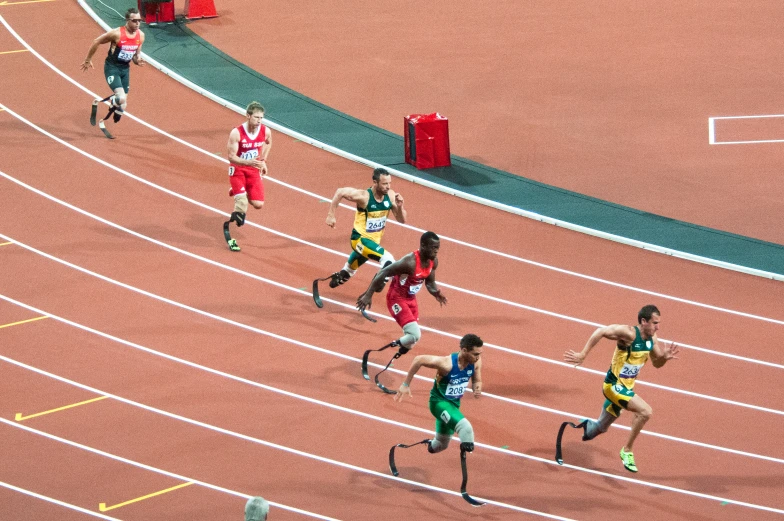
{"points": [[429, 245], [255, 113], [132, 18], [649, 318], [471, 347], [382, 181]]}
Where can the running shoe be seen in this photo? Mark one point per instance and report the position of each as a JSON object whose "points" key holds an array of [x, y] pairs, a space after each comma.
{"points": [[628, 461], [233, 246]]}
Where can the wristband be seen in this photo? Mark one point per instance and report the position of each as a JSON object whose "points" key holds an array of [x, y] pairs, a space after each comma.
{"points": [[404, 384]]}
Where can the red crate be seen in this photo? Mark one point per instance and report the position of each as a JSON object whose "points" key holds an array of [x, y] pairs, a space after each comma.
{"points": [[427, 140]]}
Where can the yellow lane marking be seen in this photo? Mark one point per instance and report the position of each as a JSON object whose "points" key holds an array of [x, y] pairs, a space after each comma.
{"points": [[6, 2], [22, 321], [4, 243], [103, 508], [11, 52], [19, 416]]}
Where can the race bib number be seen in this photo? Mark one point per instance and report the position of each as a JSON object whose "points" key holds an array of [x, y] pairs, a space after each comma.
{"points": [[630, 371], [250, 154], [396, 309], [231, 171], [455, 391], [375, 224], [125, 56], [445, 417], [413, 290]]}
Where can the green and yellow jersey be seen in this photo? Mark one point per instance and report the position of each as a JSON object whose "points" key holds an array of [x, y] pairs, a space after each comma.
{"points": [[370, 222], [627, 361]]}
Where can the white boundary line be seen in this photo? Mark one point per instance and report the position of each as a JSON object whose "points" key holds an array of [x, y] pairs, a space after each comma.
{"points": [[435, 186], [329, 405], [302, 292], [142, 465], [712, 130], [56, 501], [297, 452], [474, 293], [379, 474], [302, 138]]}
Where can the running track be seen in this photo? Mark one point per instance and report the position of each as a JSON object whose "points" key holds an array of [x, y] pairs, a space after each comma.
{"points": [[220, 372]]}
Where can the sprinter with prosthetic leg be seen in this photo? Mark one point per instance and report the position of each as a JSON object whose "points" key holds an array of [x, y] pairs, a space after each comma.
{"points": [[408, 275], [125, 46], [453, 373], [634, 345], [373, 207], [247, 150]]}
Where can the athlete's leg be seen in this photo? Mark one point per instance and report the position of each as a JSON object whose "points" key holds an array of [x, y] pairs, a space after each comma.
{"points": [[119, 101], [241, 207], [448, 419], [439, 443], [411, 335], [465, 432], [642, 413], [600, 426]]}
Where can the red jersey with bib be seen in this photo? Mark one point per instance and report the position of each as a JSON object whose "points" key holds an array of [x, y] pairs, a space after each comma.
{"points": [[401, 297], [247, 179], [122, 53]]}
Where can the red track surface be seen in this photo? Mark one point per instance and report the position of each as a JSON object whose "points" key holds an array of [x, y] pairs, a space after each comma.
{"points": [[248, 328]]}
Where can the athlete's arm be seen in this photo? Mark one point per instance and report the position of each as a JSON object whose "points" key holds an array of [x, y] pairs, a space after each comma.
{"points": [[265, 150], [107, 37], [476, 379], [661, 353], [355, 195], [617, 332], [137, 56], [397, 207], [442, 364], [432, 287], [405, 265]]}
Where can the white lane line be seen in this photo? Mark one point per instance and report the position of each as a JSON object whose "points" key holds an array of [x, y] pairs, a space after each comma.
{"points": [[300, 241], [278, 446], [156, 470], [355, 360], [56, 501], [296, 290], [457, 241], [379, 474]]}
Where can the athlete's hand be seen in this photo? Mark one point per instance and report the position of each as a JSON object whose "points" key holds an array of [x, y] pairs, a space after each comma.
{"points": [[258, 163], [440, 298], [364, 301], [87, 65], [402, 391], [398, 199], [574, 357], [671, 351], [477, 392], [331, 220], [138, 60]]}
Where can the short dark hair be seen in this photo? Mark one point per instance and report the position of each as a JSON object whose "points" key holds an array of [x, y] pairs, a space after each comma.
{"points": [[130, 11], [647, 312], [378, 172], [254, 106], [428, 236], [470, 341]]}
